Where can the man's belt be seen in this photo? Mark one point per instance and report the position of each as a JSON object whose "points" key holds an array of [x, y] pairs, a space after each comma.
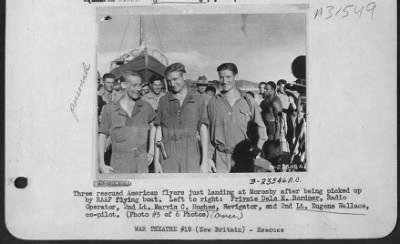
{"points": [[178, 137], [136, 151]]}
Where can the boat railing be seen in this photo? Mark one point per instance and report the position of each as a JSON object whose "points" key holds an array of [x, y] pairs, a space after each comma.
{"points": [[129, 56], [160, 56]]}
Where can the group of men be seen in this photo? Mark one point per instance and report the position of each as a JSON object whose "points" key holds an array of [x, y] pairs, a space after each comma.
{"points": [[284, 115], [183, 131]]}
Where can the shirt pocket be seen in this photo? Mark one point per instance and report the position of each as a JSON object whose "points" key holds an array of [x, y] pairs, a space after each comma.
{"points": [[119, 131], [120, 134], [244, 115]]}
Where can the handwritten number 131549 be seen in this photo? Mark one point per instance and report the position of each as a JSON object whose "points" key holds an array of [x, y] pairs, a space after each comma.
{"points": [[350, 9]]}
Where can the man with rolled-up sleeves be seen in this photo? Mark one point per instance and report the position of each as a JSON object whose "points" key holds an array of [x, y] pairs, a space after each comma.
{"points": [[235, 123], [127, 121], [181, 115]]}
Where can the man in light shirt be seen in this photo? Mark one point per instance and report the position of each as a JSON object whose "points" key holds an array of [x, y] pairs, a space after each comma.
{"points": [[261, 93], [284, 97], [153, 97]]}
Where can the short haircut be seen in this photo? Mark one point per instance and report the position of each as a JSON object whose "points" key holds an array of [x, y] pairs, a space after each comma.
{"points": [[262, 83], [128, 73], [160, 80], [156, 77], [228, 66], [145, 84], [108, 75], [175, 67], [272, 84], [211, 88], [281, 81]]}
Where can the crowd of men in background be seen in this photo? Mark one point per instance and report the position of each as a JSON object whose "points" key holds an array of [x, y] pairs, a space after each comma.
{"points": [[146, 128]]}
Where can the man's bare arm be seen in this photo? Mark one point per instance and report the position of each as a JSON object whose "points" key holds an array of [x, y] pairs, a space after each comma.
{"points": [[204, 149], [152, 136], [158, 137]]}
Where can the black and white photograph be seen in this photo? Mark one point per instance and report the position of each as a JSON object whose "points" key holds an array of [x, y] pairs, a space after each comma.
{"points": [[205, 93], [194, 120]]}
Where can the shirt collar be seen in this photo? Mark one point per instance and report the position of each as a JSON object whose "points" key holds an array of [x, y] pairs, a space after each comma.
{"points": [[136, 109], [171, 97], [189, 96], [220, 95]]}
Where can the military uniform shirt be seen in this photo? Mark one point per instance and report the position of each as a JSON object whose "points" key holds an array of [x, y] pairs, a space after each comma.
{"points": [[180, 125], [129, 135], [228, 127]]}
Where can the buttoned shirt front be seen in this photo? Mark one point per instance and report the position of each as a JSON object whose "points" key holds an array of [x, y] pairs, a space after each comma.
{"points": [[127, 133], [228, 124], [180, 125], [178, 121]]}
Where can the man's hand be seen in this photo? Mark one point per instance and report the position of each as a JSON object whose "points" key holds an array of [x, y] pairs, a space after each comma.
{"points": [[105, 169], [211, 166], [157, 167], [204, 167], [255, 152], [150, 157]]}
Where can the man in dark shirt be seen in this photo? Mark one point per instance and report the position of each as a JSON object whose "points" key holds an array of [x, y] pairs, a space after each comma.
{"points": [[211, 91], [201, 85], [105, 95]]}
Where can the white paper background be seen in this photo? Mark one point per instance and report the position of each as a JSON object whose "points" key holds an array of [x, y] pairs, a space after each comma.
{"points": [[351, 119]]}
